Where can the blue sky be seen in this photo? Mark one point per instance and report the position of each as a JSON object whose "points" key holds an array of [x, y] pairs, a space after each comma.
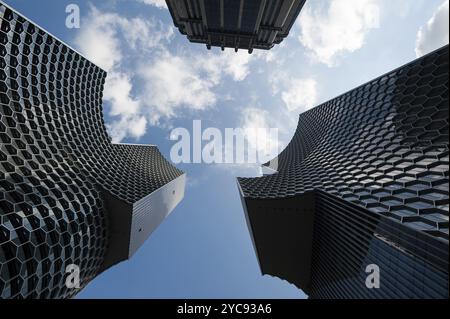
{"points": [[158, 81]]}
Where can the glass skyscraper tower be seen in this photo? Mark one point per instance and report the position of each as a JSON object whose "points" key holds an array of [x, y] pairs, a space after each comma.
{"points": [[68, 196], [361, 192]]}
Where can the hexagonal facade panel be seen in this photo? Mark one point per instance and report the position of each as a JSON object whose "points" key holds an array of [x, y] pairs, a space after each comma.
{"points": [[364, 181], [68, 196]]}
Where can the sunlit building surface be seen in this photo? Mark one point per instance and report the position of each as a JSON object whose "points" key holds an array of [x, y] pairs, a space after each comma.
{"points": [[363, 186], [68, 196]]}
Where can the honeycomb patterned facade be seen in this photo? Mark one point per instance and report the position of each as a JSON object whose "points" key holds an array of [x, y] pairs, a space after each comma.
{"points": [[58, 165], [381, 149]]}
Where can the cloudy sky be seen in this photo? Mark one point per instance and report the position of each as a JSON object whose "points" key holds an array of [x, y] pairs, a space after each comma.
{"points": [[158, 81]]}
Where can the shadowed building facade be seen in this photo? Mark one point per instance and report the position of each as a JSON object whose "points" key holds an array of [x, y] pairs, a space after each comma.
{"points": [[363, 182], [238, 24], [68, 196]]}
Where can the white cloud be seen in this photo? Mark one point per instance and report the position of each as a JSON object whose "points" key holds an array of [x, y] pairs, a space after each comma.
{"points": [[236, 64], [300, 95], [118, 92], [145, 79], [227, 62], [161, 4], [172, 84], [257, 123], [340, 28], [98, 41], [102, 37], [278, 79], [435, 33], [127, 125], [139, 126], [102, 40], [176, 83]]}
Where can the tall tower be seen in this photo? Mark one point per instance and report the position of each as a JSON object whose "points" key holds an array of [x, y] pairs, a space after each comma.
{"points": [[358, 205], [238, 24], [68, 196]]}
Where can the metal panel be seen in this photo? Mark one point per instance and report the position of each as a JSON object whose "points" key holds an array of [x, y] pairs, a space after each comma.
{"points": [[238, 24], [149, 212], [66, 191], [377, 160]]}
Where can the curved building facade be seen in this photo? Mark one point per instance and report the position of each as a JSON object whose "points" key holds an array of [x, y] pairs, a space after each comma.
{"points": [[363, 185], [68, 196]]}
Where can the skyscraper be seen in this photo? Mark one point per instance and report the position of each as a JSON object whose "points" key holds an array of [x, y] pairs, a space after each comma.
{"points": [[358, 203], [68, 196], [238, 24]]}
